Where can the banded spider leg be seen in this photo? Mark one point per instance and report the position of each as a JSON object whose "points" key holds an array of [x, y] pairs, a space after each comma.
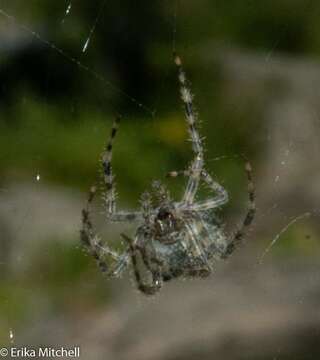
{"points": [[90, 240], [196, 171]]}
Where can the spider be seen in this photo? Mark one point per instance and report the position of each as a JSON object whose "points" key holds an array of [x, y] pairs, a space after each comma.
{"points": [[174, 238]]}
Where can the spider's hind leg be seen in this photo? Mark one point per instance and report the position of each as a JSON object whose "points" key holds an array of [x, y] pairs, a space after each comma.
{"points": [[241, 232], [108, 177], [87, 234], [147, 289], [95, 248], [107, 169]]}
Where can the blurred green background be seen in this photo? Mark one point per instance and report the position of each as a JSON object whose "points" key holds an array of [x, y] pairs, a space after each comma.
{"points": [[47, 100], [55, 117]]}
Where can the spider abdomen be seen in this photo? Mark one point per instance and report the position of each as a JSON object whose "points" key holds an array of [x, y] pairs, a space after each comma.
{"points": [[197, 246]]}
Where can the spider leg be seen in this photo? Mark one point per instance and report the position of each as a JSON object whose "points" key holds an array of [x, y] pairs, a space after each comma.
{"points": [[149, 259], [198, 273], [241, 232], [110, 196], [175, 174], [148, 289], [124, 216], [220, 199], [194, 273], [94, 246], [197, 147]]}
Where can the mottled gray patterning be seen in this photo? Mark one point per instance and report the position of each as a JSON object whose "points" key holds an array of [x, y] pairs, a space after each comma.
{"points": [[174, 238]]}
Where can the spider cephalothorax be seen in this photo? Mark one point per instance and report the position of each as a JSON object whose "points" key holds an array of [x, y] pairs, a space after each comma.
{"points": [[166, 226], [173, 238]]}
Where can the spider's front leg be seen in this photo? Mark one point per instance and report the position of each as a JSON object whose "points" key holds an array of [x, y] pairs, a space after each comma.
{"points": [[197, 147], [94, 246], [221, 194], [148, 289], [110, 196], [220, 199]]}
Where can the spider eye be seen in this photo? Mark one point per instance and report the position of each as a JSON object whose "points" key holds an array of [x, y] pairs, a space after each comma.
{"points": [[164, 214]]}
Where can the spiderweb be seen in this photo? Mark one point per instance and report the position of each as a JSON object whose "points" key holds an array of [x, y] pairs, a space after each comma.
{"points": [[281, 143]]}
